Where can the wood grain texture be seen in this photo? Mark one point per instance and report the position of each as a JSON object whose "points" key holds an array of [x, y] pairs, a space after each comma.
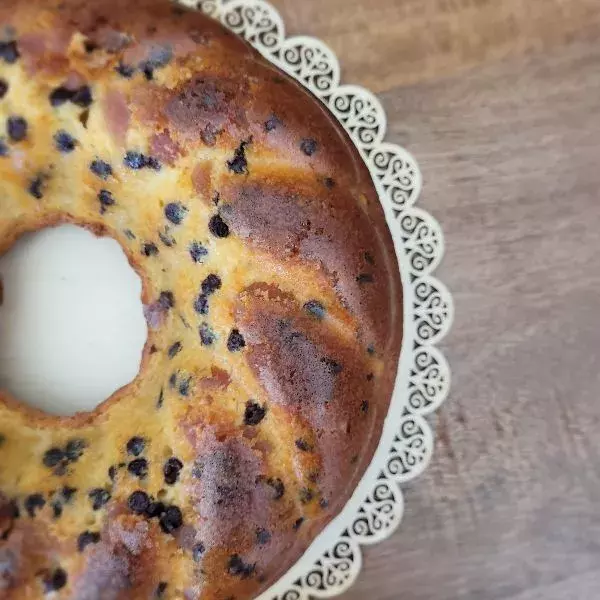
{"points": [[500, 103]]}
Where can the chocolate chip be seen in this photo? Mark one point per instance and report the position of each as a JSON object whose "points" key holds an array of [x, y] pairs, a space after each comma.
{"points": [[86, 538], [126, 71], [278, 487], [16, 127], [184, 386], [3, 88], [303, 445], [333, 366], [56, 505], [364, 278], [33, 503], [112, 472], [315, 309], [211, 284], [306, 495], [238, 163], [153, 163], [159, 57], [173, 380], [84, 117], [174, 350], [329, 183], [57, 510], [218, 227], [370, 376], [323, 503], [148, 71], [175, 212], [55, 580], [129, 234], [171, 470], [74, 449], [136, 161], [201, 304], [52, 457], [272, 123], [3, 147], [136, 445], [262, 536], [36, 187], [101, 169], [67, 493], [254, 413], [171, 520], [82, 97], [207, 336], [298, 523], [369, 258], [60, 95], [98, 497], [371, 349], [197, 251], [106, 199], [308, 146], [166, 300], [138, 467], [9, 52], [64, 142], [161, 399], [197, 552], [237, 567], [149, 249], [90, 46], [364, 406], [235, 341], [161, 588], [138, 502], [155, 510]]}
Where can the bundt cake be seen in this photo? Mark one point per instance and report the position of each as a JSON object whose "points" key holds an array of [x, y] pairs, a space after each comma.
{"points": [[270, 288]]}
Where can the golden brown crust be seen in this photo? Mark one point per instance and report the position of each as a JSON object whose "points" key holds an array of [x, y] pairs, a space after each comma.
{"points": [[271, 291]]}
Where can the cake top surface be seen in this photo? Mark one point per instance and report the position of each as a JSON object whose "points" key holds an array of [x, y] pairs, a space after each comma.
{"points": [[271, 291]]}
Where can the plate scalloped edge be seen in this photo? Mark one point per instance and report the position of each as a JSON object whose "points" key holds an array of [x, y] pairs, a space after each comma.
{"points": [[334, 560]]}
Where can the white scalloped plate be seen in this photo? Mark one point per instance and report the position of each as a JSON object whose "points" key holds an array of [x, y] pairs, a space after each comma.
{"points": [[333, 561]]}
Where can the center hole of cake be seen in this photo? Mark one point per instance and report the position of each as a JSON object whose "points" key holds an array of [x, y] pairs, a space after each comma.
{"points": [[72, 328]]}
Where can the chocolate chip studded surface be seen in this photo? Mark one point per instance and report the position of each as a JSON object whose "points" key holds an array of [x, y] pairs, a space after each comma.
{"points": [[271, 294]]}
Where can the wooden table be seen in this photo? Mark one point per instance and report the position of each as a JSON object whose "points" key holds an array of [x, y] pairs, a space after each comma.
{"points": [[499, 100]]}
